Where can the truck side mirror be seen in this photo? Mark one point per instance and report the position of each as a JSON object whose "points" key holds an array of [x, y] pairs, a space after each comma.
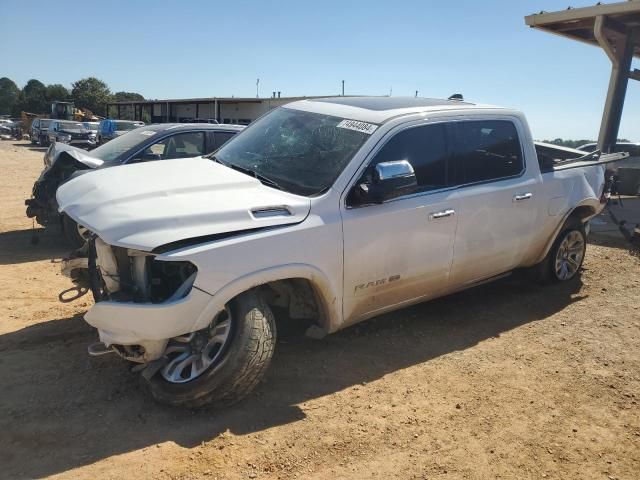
{"points": [[391, 179]]}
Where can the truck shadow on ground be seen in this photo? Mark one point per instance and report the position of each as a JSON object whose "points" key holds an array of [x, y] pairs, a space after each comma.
{"points": [[17, 246], [31, 146], [62, 409]]}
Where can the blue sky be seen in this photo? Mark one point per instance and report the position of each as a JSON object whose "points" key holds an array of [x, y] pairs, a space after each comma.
{"points": [[168, 49]]}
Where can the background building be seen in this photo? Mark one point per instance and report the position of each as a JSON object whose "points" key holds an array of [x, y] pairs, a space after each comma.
{"points": [[223, 109]]}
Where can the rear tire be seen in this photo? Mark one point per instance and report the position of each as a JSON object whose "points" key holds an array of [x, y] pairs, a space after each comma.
{"points": [[241, 366], [564, 260]]}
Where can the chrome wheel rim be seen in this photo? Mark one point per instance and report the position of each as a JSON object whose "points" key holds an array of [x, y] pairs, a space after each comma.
{"points": [[189, 356], [569, 255]]}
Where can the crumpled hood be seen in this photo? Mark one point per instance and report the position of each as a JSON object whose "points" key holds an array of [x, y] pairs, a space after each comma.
{"points": [[146, 205], [58, 150]]}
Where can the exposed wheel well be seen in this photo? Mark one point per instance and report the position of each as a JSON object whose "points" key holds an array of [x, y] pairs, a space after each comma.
{"points": [[297, 295], [583, 213]]}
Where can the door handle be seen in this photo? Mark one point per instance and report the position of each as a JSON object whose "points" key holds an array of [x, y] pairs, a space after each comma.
{"points": [[524, 196], [443, 214]]}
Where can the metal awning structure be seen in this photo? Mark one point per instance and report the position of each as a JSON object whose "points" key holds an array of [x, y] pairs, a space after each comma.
{"points": [[614, 27]]}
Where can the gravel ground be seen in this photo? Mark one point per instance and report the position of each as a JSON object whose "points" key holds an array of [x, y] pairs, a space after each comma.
{"points": [[509, 380]]}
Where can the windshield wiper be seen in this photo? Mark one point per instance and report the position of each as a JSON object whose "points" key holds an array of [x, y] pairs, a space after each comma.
{"points": [[247, 171]]}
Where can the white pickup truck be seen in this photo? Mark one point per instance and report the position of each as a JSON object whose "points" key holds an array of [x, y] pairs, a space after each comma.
{"points": [[337, 209]]}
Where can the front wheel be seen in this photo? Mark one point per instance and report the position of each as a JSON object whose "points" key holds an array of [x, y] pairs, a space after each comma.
{"points": [[564, 260], [222, 363], [76, 234]]}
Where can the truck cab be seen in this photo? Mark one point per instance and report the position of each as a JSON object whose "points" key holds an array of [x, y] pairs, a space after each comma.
{"points": [[336, 209]]}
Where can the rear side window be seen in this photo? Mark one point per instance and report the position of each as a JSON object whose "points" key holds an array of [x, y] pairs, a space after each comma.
{"points": [[486, 150], [425, 148], [220, 138]]}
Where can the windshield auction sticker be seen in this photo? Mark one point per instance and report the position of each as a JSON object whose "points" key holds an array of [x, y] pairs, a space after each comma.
{"points": [[363, 127]]}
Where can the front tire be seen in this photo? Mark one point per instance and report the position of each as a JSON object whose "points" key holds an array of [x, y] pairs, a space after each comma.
{"points": [[236, 365], [75, 234], [564, 260]]}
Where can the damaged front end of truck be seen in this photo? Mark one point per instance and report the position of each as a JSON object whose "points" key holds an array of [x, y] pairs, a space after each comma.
{"points": [[127, 276], [154, 307]]}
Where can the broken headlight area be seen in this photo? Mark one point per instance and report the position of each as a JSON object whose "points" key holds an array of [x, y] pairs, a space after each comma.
{"points": [[126, 275]]}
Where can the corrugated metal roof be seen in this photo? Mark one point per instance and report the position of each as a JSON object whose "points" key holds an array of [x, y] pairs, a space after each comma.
{"points": [[578, 23]]}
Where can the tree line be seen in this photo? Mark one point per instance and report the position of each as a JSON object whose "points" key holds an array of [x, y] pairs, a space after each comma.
{"points": [[36, 97], [575, 143]]}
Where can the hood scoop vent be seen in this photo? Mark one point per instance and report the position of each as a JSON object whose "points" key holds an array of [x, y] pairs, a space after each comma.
{"points": [[270, 212]]}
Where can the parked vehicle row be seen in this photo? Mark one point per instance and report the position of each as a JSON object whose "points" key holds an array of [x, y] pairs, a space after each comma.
{"points": [[335, 210], [154, 142], [109, 129]]}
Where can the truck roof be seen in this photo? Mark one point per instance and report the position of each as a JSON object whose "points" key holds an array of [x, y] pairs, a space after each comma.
{"points": [[379, 109]]}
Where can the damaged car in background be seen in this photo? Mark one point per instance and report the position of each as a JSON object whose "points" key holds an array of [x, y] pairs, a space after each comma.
{"points": [[70, 133], [154, 142], [332, 210]]}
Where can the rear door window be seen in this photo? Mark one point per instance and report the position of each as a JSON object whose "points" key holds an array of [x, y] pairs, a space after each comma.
{"points": [[486, 150], [216, 139], [220, 138]]}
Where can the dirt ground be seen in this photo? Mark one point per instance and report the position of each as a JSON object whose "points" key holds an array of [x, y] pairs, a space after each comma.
{"points": [[509, 380]]}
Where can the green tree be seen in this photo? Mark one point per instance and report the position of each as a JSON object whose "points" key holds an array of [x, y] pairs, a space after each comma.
{"points": [[126, 97], [9, 96], [57, 92], [92, 94], [34, 98]]}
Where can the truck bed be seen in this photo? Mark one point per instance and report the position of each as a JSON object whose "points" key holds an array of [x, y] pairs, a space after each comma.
{"points": [[553, 157]]}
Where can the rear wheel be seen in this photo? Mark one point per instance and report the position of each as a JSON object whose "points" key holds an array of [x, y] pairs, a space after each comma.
{"points": [[222, 363], [564, 260]]}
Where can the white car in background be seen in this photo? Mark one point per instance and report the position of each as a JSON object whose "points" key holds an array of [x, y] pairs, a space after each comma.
{"points": [[336, 209], [93, 130]]}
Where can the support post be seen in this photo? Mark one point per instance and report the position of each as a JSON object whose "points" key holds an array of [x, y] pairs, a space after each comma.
{"points": [[620, 57]]}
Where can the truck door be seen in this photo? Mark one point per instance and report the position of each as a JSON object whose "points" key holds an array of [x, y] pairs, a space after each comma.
{"points": [[400, 250], [498, 197]]}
